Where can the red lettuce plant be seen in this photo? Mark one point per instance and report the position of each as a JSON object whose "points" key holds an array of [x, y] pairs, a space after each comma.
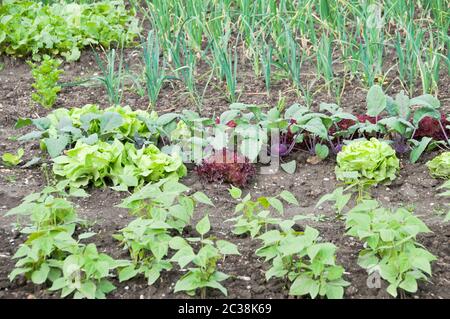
{"points": [[345, 124], [231, 123], [430, 127], [371, 119], [227, 166]]}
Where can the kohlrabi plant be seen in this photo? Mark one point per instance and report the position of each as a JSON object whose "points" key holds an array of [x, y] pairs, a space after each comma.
{"points": [[255, 215], [46, 77], [310, 129], [203, 257], [307, 266], [439, 166], [365, 163], [390, 246], [412, 124]]}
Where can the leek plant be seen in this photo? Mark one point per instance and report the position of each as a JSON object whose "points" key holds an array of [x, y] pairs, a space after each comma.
{"points": [[154, 74], [113, 77]]}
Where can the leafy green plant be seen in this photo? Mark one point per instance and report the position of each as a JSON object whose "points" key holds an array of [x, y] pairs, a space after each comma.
{"points": [[299, 258], [33, 28], [38, 255], [255, 215], [147, 241], [165, 201], [85, 273], [53, 219], [10, 159], [339, 197], [89, 124], [46, 77], [412, 124], [365, 163], [162, 207], [439, 166], [390, 244], [123, 164], [49, 207], [51, 254], [204, 274]]}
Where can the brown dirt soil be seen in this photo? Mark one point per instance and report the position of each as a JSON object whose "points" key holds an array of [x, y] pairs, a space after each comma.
{"points": [[414, 186]]}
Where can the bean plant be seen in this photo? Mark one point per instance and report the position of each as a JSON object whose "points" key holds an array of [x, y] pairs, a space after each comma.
{"points": [[255, 214], [307, 266], [204, 273], [390, 246]]}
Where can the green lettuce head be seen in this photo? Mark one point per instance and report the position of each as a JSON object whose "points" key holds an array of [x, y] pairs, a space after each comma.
{"points": [[122, 165], [367, 162], [439, 166]]}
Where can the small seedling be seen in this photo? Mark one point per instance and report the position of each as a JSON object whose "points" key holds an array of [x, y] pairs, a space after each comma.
{"points": [[10, 159]]}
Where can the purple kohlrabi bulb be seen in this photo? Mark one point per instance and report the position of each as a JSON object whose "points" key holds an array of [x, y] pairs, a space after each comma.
{"points": [[337, 148], [280, 150]]}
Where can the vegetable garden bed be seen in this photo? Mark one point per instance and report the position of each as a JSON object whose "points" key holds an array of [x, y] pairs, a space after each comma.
{"points": [[412, 127]]}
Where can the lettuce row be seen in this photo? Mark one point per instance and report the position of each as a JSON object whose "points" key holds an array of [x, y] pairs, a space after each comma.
{"points": [[121, 164]]}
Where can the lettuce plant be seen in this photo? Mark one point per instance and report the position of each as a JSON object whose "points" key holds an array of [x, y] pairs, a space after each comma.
{"points": [[227, 166], [122, 164], [390, 246], [10, 159], [436, 128], [439, 166], [366, 162]]}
